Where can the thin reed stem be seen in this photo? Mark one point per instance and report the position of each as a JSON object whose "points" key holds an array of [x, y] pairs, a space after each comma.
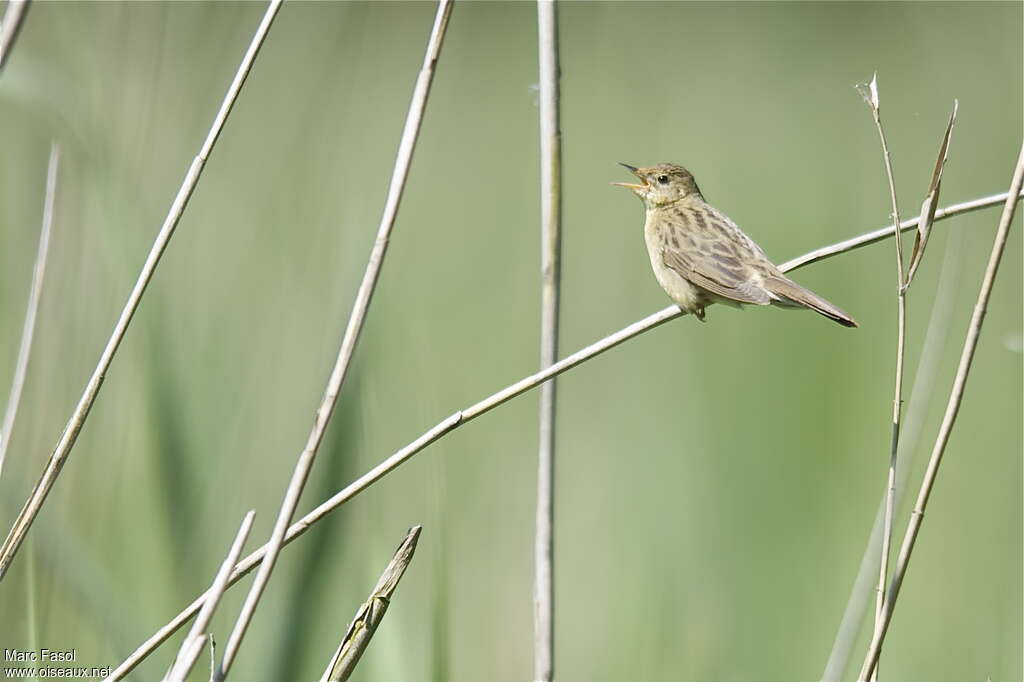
{"points": [[948, 420], [34, 295], [197, 635], [881, 233], [461, 417], [901, 338], [92, 389], [10, 25], [371, 613], [880, 540], [920, 398], [304, 465], [551, 248]]}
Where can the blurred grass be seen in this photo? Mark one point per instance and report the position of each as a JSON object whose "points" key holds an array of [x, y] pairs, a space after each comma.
{"points": [[715, 482]]}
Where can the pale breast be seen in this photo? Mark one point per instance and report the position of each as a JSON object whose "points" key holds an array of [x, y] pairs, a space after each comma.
{"points": [[686, 295]]}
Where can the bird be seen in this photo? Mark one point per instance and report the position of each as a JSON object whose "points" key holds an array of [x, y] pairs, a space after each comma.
{"points": [[700, 256]]}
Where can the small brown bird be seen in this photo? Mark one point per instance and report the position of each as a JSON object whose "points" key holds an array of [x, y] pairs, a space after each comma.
{"points": [[701, 257]]}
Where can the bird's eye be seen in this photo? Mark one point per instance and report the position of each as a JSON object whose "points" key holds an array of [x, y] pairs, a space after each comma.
{"points": [[662, 179]]}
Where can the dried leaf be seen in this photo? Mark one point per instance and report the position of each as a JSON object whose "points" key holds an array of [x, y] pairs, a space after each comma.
{"points": [[931, 200]]}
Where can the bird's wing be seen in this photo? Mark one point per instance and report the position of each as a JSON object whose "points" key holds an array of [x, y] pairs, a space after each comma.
{"points": [[721, 259]]}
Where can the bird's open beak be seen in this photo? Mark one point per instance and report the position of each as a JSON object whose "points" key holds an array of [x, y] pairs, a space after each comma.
{"points": [[639, 190]]}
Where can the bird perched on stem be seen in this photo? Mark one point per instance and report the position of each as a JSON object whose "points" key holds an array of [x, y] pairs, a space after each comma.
{"points": [[700, 257]]}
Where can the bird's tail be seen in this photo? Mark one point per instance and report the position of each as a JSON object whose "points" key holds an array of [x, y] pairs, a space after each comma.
{"points": [[786, 292]]}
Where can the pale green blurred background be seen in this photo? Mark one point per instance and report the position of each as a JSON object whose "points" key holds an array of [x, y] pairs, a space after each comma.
{"points": [[715, 483]]}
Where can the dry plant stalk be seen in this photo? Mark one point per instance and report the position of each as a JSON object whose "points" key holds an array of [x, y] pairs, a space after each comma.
{"points": [[197, 635], [920, 398], [461, 417], [551, 254], [881, 233], [928, 207], [14, 15], [213, 656], [304, 464], [67, 440], [948, 420], [870, 93], [34, 294], [371, 613]]}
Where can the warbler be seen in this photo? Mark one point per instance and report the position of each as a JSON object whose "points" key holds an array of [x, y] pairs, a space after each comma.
{"points": [[701, 257]]}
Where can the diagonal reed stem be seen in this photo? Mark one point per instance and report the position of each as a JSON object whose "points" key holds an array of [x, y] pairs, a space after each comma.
{"points": [[92, 389], [551, 253], [371, 613], [948, 420], [10, 25], [304, 464], [188, 653], [34, 294], [489, 403], [881, 233]]}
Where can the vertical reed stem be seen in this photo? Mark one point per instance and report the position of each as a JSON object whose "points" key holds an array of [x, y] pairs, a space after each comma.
{"points": [[551, 218], [901, 334]]}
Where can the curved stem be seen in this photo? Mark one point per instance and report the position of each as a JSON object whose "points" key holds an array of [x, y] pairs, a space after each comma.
{"points": [[461, 417]]}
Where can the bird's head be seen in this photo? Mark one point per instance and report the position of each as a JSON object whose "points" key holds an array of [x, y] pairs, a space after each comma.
{"points": [[662, 185]]}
